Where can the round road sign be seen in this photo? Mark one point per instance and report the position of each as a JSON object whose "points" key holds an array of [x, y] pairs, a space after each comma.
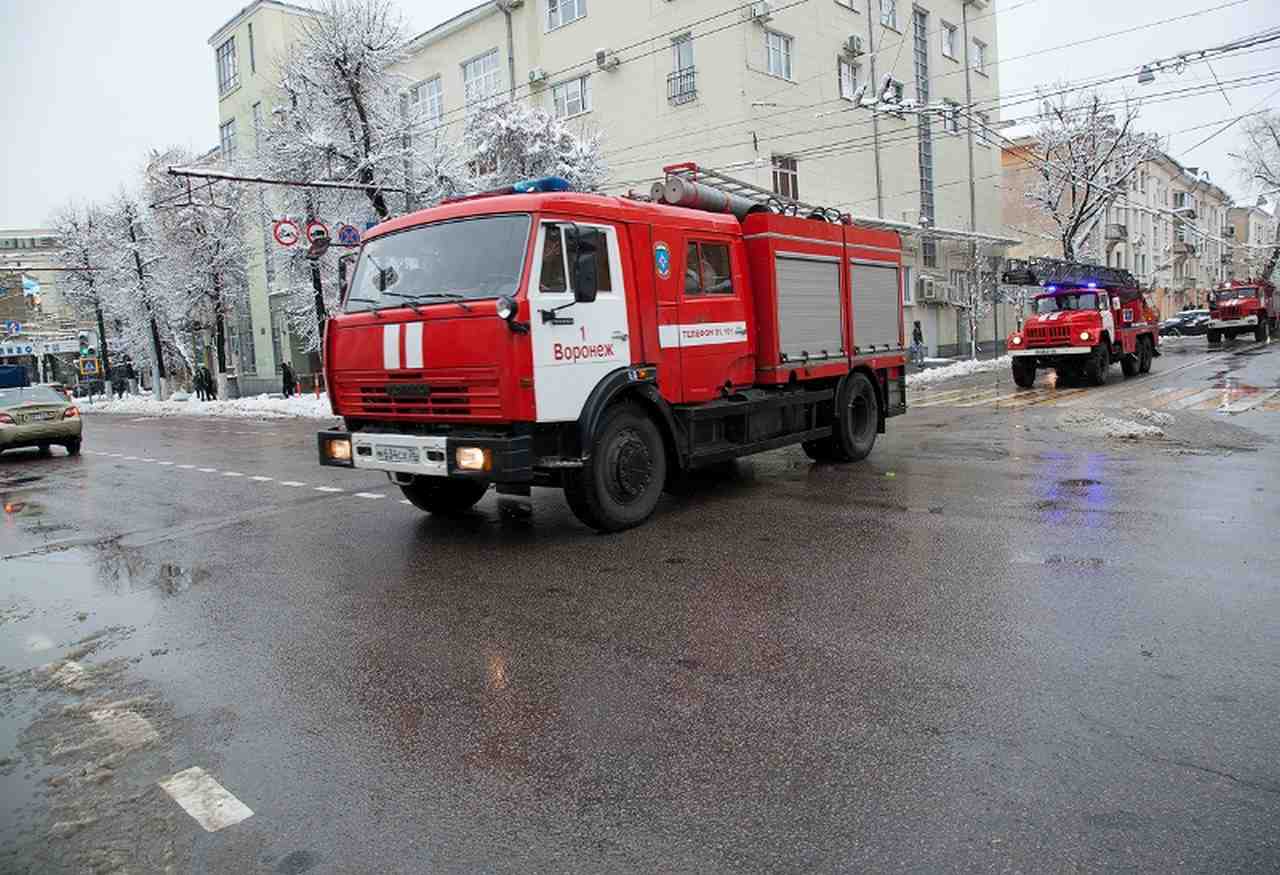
{"points": [[348, 235], [286, 232], [316, 230]]}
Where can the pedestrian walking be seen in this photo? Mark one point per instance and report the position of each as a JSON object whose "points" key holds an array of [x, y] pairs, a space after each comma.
{"points": [[210, 385], [287, 380], [917, 344], [198, 383]]}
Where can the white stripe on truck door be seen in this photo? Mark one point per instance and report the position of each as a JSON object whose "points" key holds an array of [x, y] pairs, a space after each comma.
{"points": [[413, 345], [391, 347]]}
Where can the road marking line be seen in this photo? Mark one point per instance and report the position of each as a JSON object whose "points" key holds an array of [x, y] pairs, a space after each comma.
{"points": [[405, 501], [261, 479], [292, 483], [1249, 403], [978, 402], [130, 458], [207, 470], [211, 804], [164, 463], [327, 489], [953, 402], [146, 460], [129, 729], [369, 495], [1191, 400], [186, 467], [232, 474]]}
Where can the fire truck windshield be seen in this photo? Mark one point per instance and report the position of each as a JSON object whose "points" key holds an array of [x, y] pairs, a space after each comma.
{"points": [[1231, 294], [1072, 301], [460, 260]]}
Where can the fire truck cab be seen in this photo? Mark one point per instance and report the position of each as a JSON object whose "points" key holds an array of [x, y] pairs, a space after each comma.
{"points": [[605, 345], [1086, 318], [1243, 307]]}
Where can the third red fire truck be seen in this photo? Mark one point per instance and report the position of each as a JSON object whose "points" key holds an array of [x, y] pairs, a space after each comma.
{"points": [[1085, 318], [1243, 307], [605, 345]]}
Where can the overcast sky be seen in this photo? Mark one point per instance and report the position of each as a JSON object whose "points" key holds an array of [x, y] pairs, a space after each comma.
{"points": [[90, 87]]}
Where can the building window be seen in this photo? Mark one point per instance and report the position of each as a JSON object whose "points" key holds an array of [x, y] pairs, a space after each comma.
{"points": [[786, 177], [562, 12], [889, 13], [481, 78], [908, 292], [949, 36], [428, 98], [682, 83], [227, 136], [572, 98], [706, 270], [848, 73], [228, 71], [779, 48], [257, 127], [253, 61], [980, 57]]}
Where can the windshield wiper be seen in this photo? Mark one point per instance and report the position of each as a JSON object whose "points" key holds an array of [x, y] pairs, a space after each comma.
{"points": [[373, 309], [460, 300]]}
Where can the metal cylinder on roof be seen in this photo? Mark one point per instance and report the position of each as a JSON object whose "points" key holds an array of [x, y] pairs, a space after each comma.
{"points": [[657, 192], [682, 192]]}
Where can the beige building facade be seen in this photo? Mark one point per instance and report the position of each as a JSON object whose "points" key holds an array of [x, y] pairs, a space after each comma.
{"points": [[1252, 240]]}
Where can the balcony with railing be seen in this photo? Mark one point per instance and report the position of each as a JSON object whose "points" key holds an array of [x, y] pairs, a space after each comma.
{"points": [[1117, 232], [682, 86]]}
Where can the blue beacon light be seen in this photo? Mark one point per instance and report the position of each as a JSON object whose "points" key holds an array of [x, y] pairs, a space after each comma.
{"points": [[542, 184]]}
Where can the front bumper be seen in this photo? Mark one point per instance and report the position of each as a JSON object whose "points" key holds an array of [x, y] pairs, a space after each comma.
{"points": [[1051, 351], [510, 458], [1246, 322], [35, 433]]}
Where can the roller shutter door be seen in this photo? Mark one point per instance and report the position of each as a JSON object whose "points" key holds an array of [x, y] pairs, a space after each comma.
{"points": [[808, 307], [876, 295]]}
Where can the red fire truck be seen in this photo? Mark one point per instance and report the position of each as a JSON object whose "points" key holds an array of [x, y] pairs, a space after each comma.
{"points": [[604, 345], [1243, 307], [1086, 318]]}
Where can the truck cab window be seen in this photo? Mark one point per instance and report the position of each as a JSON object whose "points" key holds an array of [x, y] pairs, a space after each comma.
{"points": [[707, 269], [553, 273], [598, 242]]}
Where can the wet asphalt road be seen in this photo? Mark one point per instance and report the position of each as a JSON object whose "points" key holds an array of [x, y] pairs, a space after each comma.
{"points": [[1007, 642]]}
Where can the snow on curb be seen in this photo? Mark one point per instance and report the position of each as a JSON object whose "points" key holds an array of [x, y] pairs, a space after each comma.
{"points": [[257, 407], [1153, 417], [1094, 424], [957, 369]]}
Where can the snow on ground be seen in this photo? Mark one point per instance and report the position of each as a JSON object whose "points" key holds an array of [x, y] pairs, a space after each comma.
{"points": [[256, 407], [1153, 417], [957, 369], [1093, 423]]}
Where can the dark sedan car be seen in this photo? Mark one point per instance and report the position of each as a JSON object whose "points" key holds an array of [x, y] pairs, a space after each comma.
{"points": [[1187, 323]]}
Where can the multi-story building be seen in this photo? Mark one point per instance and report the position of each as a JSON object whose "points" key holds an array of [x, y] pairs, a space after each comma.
{"points": [[31, 252], [1168, 227], [772, 93], [1252, 239]]}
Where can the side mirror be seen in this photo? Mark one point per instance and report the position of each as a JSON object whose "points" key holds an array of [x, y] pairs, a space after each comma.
{"points": [[345, 265], [582, 260]]}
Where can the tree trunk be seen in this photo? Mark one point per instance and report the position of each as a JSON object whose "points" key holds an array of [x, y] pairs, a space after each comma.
{"points": [[321, 313], [102, 345]]}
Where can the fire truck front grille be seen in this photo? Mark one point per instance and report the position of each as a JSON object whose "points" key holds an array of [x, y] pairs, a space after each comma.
{"points": [[1231, 313], [472, 396], [1047, 335]]}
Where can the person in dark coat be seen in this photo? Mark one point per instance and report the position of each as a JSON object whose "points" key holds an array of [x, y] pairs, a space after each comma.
{"points": [[287, 380], [210, 385], [917, 344], [198, 384]]}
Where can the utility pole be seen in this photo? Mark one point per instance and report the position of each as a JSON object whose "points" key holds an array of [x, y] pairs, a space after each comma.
{"points": [[157, 350], [875, 115], [973, 191]]}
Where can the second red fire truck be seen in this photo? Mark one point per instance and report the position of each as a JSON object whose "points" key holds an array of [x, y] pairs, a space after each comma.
{"points": [[1243, 307], [603, 345]]}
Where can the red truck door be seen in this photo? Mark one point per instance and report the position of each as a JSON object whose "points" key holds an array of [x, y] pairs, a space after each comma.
{"points": [[712, 334]]}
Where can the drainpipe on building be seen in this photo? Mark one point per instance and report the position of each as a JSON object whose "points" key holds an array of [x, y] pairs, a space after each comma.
{"points": [[506, 6], [875, 115]]}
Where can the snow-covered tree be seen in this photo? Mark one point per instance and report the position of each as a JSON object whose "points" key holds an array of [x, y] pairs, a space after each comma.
{"points": [[510, 141], [1084, 154], [206, 252], [79, 229], [1259, 166]]}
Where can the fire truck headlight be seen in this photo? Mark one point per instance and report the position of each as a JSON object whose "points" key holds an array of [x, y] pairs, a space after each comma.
{"points": [[1017, 340], [473, 459], [338, 450], [506, 308], [1084, 335]]}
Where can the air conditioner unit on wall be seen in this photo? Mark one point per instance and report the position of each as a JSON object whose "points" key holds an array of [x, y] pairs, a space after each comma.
{"points": [[537, 75], [853, 45]]}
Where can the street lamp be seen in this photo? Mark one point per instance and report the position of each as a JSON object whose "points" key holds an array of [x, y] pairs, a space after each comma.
{"points": [[1145, 75]]}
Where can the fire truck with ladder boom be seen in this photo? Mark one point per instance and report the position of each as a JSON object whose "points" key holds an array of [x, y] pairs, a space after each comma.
{"points": [[1085, 318], [536, 336], [1243, 307]]}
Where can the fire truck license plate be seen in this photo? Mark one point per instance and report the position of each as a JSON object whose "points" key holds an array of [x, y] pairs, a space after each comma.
{"points": [[384, 453]]}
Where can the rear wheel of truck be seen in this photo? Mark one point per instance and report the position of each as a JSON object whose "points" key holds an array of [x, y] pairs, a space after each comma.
{"points": [[1260, 333], [444, 496], [621, 482], [853, 434], [1214, 336], [1024, 372], [1095, 370], [1146, 353]]}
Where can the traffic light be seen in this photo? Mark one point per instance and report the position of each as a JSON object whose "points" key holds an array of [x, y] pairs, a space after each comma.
{"points": [[84, 344]]}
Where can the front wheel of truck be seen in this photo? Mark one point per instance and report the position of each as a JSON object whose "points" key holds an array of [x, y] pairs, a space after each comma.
{"points": [[1260, 333], [1024, 372], [619, 485], [444, 496]]}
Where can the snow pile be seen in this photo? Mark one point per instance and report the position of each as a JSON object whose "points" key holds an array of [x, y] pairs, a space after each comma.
{"points": [[1153, 417], [957, 369], [1092, 423], [257, 407]]}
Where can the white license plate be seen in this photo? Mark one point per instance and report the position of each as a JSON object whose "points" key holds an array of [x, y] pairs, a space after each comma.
{"points": [[385, 453], [41, 417]]}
